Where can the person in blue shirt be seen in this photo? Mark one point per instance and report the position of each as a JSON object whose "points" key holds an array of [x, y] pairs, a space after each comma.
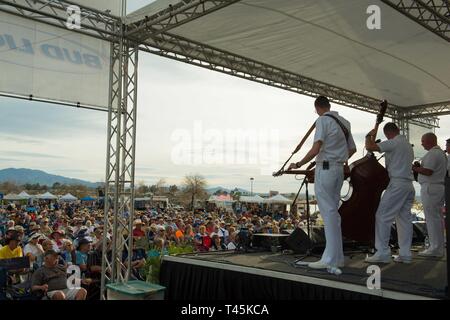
{"points": [[81, 255], [66, 252]]}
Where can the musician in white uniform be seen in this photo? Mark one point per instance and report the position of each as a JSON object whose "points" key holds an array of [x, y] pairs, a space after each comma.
{"points": [[432, 174], [397, 200], [447, 149], [333, 146]]}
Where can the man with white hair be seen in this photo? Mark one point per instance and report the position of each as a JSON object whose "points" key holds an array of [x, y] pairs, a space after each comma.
{"points": [[431, 177]]}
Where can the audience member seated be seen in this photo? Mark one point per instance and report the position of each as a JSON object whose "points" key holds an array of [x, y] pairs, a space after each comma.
{"points": [[50, 280]]}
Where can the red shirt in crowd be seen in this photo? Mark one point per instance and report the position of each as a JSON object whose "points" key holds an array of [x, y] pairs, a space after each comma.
{"points": [[138, 233]]}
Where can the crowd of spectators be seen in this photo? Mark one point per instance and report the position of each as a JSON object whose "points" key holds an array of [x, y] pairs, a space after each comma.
{"points": [[55, 236]]}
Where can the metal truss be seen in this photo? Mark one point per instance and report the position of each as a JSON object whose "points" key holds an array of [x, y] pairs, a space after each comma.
{"points": [[428, 110], [108, 27], [120, 166], [174, 16], [431, 14], [181, 49], [93, 22]]}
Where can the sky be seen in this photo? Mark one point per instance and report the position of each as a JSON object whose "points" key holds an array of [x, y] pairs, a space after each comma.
{"points": [[190, 120]]}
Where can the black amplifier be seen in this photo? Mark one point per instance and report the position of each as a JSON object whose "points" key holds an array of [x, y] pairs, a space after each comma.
{"points": [[270, 241]]}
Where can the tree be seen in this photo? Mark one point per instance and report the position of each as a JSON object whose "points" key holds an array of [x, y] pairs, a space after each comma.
{"points": [[142, 189], [160, 185], [9, 186], [194, 187], [236, 195], [173, 189]]}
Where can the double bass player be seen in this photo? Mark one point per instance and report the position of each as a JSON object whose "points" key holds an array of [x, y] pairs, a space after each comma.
{"points": [[397, 200], [333, 146]]}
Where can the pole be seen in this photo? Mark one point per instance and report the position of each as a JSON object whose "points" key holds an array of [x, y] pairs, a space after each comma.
{"points": [[447, 227], [251, 186], [308, 217]]}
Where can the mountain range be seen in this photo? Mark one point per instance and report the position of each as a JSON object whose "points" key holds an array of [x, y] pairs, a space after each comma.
{"points": [[23, 176]]}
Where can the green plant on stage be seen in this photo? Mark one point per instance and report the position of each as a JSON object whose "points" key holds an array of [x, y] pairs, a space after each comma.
{"points": [[153, 263]]}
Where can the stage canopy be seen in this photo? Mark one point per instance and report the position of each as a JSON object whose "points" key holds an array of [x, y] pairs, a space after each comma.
{"points": [[324, 41]]}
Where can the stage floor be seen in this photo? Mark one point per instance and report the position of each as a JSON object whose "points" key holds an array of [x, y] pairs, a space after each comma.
{"points": [[424, 278]]}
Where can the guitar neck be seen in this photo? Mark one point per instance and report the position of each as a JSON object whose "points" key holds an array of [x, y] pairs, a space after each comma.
{"points": [[297, 172]]}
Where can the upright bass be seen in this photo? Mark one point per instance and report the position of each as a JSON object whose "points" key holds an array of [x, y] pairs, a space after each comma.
{"points": [[368, 180]]}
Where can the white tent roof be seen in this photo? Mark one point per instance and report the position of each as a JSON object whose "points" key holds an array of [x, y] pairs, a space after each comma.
{"points": [[25, 195], [329, 41], [217, 199], [251, 199], [13, 197], [278, 199], [47, 196], [68, 197]]}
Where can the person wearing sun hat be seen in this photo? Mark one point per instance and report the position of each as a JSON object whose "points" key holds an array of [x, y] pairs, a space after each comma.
{"points": [[33, 249], [57, 238]]}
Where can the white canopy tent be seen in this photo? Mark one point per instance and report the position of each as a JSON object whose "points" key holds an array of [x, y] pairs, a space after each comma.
{"points": [[13, 197], [278, 199], [68, 198], [251, 199], [25, 195], [47, 196], [221, 199]]}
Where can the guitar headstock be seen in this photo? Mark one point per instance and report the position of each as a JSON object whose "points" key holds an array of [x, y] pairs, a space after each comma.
{"points": [[381, 113]]}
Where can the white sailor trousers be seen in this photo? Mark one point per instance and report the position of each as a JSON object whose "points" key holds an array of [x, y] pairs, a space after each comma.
{"points": [[432, 196], [395, 204], [327, 187]]}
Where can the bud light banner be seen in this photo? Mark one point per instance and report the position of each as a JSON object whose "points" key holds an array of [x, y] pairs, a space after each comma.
{"points": [[52, 63]]}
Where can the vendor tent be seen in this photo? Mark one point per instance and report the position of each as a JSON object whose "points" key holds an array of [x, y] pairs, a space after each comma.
{"points": [[25, 195], [13, 197], [68, 198], [47, 196], [251, 199], [88, 198], [221, 199], [278, 199]]}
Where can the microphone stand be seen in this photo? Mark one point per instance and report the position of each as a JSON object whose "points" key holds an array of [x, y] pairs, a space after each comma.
{"points": [[308, 225]]}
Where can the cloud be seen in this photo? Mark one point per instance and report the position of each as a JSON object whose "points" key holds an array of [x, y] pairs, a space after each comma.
{"points": [[10, 160], [33, 155], [20, 139]]}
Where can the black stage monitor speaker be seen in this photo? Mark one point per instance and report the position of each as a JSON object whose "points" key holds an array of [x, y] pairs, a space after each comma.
{"points": [[269, 241], [298, 241]]}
